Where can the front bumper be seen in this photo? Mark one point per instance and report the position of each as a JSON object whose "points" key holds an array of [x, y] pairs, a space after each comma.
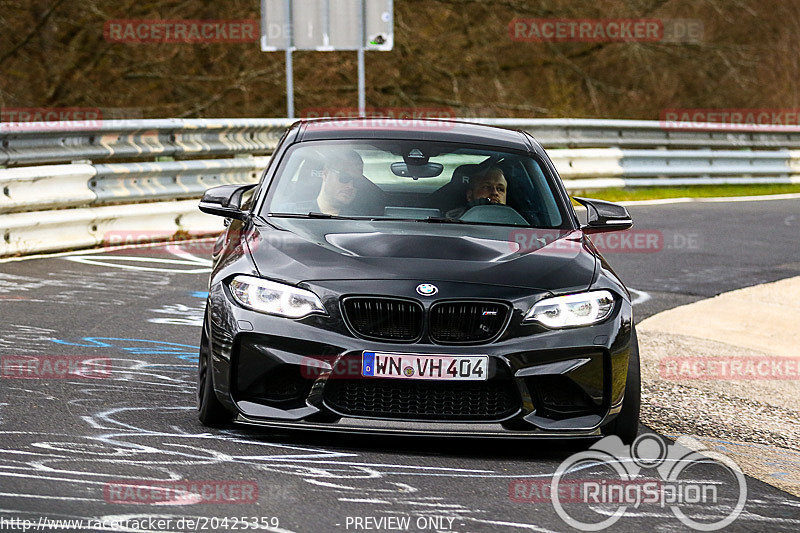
{"points": [[274, 371]]}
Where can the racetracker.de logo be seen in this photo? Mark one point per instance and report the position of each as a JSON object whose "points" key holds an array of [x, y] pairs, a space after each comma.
{"points": [[133, 31], [557, 30], [787, 119], [200, 244], [54, 367], [729, 368], [383, 117], [563, 30], [35, 118], [585, 490], [180, 492], [146, 241], [643, 241]]}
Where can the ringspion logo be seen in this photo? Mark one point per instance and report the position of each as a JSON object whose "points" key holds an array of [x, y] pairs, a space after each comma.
{"points": [[592, 490]]}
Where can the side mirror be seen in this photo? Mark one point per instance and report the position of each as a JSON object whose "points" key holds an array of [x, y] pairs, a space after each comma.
{"points": [[604, 216], [224, 201]]}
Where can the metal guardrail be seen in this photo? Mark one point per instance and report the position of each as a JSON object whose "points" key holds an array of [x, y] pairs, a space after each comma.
{"points": [[61, 207], [185, 138], [85, 185], [30, 144], [45, 207], [602, 133]]}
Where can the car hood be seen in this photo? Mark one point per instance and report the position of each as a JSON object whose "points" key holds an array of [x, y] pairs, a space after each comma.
{"points": [[298, 250]]}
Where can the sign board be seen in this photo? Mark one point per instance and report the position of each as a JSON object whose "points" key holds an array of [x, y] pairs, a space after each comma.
{"points": [[326, 25]]}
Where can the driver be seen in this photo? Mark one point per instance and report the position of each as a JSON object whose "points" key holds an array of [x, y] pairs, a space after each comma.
{"points": [[339, 177], [489, 186]]}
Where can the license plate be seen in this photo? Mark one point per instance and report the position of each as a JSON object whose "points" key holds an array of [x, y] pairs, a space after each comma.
{"points": [[418, 366]]}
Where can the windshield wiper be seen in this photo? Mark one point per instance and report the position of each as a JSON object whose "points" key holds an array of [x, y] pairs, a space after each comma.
{"points": [[312, 214], [447, 220], [430, 220], [442, 220]]}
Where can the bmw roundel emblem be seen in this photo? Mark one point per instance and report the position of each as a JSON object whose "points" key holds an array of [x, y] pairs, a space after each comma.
{"points": [[427, 289]]}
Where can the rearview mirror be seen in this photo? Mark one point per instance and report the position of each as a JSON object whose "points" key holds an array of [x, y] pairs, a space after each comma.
{"points": [[225, 201], [425, 170], [604, 216]]}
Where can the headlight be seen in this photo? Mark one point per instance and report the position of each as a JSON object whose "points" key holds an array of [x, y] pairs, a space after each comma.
{"points": [[274, 298], [579, 309]]}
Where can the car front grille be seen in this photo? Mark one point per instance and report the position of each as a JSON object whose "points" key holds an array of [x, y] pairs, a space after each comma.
{"points": [[466, 322], [454, 322], [384, 318], [409, 399]]}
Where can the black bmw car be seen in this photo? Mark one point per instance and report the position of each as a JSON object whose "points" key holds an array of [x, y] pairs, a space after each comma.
{"points": [[428, 280]]}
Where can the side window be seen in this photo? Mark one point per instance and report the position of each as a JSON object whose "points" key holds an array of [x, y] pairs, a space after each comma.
{"points": [[248, 203]]}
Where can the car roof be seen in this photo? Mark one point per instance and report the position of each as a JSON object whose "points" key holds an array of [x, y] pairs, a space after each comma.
{"points": [[414, 129]]}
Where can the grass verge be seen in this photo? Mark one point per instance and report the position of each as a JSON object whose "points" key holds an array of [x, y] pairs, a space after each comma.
{"points": [[696, 191]]}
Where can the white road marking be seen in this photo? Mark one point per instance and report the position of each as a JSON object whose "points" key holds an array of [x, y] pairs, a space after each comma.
{"points": [[641, 296], [109, 261], [183, 254], [365, 500], [683, 200], [43, 497], [509, 524], [90, 251]]}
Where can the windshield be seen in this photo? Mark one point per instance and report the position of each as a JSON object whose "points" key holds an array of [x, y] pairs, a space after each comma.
{"points": [[413, 180]]}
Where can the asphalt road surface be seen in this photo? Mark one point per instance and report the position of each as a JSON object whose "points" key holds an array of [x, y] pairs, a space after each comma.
{"points": [[68, 444]]}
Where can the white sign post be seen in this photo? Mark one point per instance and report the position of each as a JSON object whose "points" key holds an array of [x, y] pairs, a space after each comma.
{"points": [[326, 25]]}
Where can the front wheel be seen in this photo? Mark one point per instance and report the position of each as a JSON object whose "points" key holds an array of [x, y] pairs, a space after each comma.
{"points": [[210, 410], [626, 424]]}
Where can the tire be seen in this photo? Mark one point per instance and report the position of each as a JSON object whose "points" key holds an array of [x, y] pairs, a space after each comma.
{"points": [[210, 410], [626, 424]]}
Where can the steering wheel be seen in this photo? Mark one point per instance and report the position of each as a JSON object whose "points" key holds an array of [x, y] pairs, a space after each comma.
{"points": [[494, 213]]}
